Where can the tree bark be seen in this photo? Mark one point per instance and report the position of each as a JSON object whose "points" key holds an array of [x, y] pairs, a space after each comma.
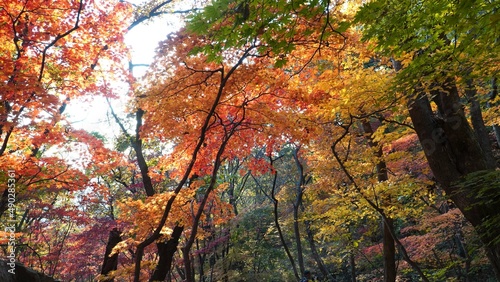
{"points": [[389, 247], [110, 263], [4, 201], [492, 95], [352, 264], [389, 251], [478, 124], [298, 202], [166, 251], [278, 226], [453, 153]]}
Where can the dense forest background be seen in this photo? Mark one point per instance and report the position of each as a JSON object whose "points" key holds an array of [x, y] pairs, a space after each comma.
{"points": [[357, 140]]}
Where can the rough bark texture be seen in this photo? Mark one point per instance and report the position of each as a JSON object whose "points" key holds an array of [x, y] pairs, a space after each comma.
{"points": [[166, 251], [453, 153]]}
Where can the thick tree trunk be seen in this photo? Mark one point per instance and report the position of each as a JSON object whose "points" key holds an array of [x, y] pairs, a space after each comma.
{"points": [[110, 263], [453, 153], [166, 251]]}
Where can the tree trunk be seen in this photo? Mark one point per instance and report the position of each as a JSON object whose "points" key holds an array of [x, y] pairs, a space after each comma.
{"points": [[277, 224], [298, 242], [110, 263], [389, 251], [4, 201], [298, 202], [310, 238], [352, 264], [478, 123], [201, 261], [188, 266], [453, 153], [389, 247], [282, 239], [492, 95], [166, 251]]}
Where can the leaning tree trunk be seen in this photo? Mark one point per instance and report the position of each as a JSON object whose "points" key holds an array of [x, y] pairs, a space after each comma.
{"points": [[315, 254], [110, 263], [459, 164]]}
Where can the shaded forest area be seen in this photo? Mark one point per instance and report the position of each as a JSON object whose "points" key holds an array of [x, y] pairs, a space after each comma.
{"points": [[356, 140]]}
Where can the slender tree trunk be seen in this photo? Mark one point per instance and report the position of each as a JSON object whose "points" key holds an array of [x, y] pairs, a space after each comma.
{"points": [[110, 263], [478, 124], [389, 247], [232, 197], [201, 262], [352, 265], [493, 94], [298, 242], [315, 253], [282, 239], [181, 272], [372, 203], [298, 202], [188, 265], [389, 251], [463, 253], [278, 227]]}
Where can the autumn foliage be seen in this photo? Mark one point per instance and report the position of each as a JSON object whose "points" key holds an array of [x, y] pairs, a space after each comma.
{"points": [[265, 139]]}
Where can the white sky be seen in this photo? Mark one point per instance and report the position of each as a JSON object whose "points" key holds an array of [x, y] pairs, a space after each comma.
{"points": [[143, 40]]}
